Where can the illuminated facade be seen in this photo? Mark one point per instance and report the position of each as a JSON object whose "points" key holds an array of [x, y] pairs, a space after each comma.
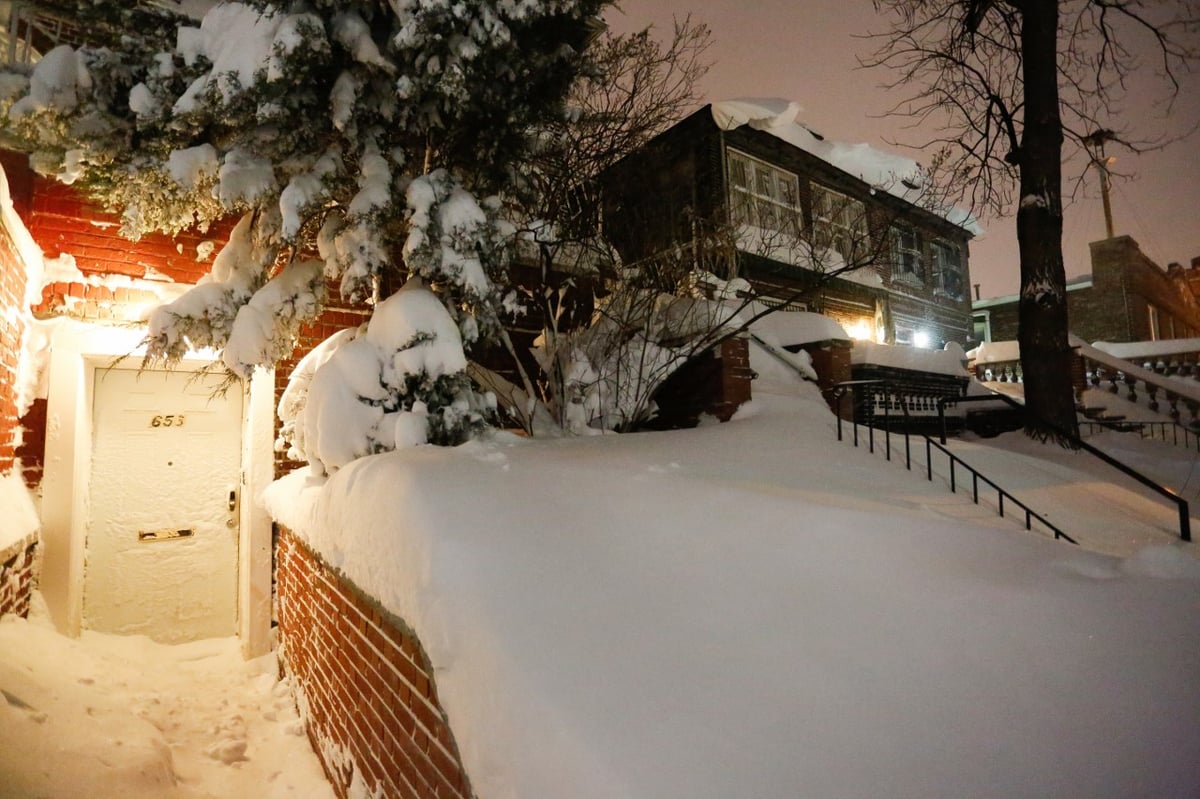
{"points": [[805, 233]]}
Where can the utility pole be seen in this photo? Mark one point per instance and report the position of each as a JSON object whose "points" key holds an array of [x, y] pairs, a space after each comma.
{"points": [[1097, 139]]}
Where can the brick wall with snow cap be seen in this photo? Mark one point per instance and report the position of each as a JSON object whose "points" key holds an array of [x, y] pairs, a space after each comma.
{"points": [[364, 686], [18, 520], [94, 273]]}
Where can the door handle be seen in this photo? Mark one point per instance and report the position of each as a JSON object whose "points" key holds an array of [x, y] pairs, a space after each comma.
{"points": [[232, 500]]}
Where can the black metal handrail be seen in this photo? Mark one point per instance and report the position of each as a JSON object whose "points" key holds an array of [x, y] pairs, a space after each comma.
{"points": [[841, 390], [1181, 504], [1001, 494], [1167, 432]]}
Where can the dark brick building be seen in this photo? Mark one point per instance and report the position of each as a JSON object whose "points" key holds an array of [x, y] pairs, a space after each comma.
{"points": [[779, 206], [1127, 297]]}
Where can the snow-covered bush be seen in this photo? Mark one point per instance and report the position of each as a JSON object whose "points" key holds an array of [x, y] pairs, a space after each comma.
{"points": [[603, 376], [398, 381]]}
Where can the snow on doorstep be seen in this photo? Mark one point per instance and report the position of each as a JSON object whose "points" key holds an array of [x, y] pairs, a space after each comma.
{"points": [[946, 362], [18, 519], [122, 717], [722, 612], [899, 176]]}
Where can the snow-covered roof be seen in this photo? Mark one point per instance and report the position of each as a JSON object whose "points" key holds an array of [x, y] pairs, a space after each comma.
{"points": [[897, 175]]}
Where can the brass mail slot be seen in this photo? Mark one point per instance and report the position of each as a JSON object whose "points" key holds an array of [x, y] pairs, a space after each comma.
{"points": [[163, 535]]}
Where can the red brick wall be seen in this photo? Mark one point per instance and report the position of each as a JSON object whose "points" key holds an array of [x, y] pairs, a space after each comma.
{"points": [[363, 685], [736, 376], [12, 298], [831, 362], [16, 579], [62, 221]]}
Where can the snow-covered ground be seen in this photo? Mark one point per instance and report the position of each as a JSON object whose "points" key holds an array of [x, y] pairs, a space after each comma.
{"points": [[110, 717], [744, 609]]}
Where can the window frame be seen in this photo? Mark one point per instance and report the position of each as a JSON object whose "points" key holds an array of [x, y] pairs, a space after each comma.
{"points": [[915, 275], [833, 228], [942, 267], [762, 206]]}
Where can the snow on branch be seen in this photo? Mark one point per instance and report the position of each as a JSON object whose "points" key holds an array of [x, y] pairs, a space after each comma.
{"points": [[204, 316]]}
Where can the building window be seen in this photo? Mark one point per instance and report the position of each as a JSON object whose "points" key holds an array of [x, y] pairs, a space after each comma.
{"points": [[1152, 312], [948, 269], [839, 224], [761, 195], [907, 255]]}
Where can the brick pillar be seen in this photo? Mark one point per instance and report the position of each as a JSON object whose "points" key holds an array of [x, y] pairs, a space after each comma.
{"points": [[831, 362], [736, 376]]}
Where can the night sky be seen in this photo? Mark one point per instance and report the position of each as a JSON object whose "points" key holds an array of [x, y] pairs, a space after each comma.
{"points": [[806, 51]]}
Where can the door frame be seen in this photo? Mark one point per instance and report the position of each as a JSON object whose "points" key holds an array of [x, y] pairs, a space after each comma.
{"points": [[77, 351]]}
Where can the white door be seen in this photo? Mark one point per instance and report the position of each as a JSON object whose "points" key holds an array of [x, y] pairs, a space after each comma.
{"points": [[162, 536]]}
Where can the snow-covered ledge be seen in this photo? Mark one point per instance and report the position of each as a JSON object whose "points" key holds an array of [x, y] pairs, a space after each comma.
{"points": [[363, 684]]}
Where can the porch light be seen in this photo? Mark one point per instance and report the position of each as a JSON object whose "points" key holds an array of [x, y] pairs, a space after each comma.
{"points": [[921, 339]]}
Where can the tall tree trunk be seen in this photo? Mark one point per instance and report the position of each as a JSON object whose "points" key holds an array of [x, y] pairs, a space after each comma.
{"points": [[1045, 351]]}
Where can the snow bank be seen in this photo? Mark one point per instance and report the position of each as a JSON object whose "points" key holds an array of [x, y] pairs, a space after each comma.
{"points": [[899, 176], [722, 612], [19, 519]]}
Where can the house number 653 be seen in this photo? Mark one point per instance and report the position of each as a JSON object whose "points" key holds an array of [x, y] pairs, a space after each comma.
{"points": [[170, 420]]}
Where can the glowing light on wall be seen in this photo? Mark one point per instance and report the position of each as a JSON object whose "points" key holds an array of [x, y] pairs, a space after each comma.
{"points": [[861, 330], [921, 339]]}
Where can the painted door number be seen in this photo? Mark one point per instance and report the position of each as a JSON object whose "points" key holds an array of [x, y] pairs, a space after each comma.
{"points": [[168, 420]]}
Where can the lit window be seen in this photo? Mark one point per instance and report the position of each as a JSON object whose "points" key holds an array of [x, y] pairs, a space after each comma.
{"points": [[907, 255], [948, 269], [839, 223], [761, 195], [1155, 332]]}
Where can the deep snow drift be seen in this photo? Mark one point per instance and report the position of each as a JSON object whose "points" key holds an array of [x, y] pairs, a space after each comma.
{"points": [[746, 609], [753, 609]]}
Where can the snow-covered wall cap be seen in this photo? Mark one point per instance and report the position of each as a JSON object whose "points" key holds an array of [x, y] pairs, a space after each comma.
{"points": [[996, 352], [788, 328], [946, 361], [1145, 349], [897, 175], [19, 520], [30, 253]]}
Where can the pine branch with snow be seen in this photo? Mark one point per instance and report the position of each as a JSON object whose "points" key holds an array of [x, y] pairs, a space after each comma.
{"points": [[375, 133]]}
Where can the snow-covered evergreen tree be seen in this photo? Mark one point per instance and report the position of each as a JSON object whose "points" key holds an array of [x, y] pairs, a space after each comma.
{"points": [[358, 140]]}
